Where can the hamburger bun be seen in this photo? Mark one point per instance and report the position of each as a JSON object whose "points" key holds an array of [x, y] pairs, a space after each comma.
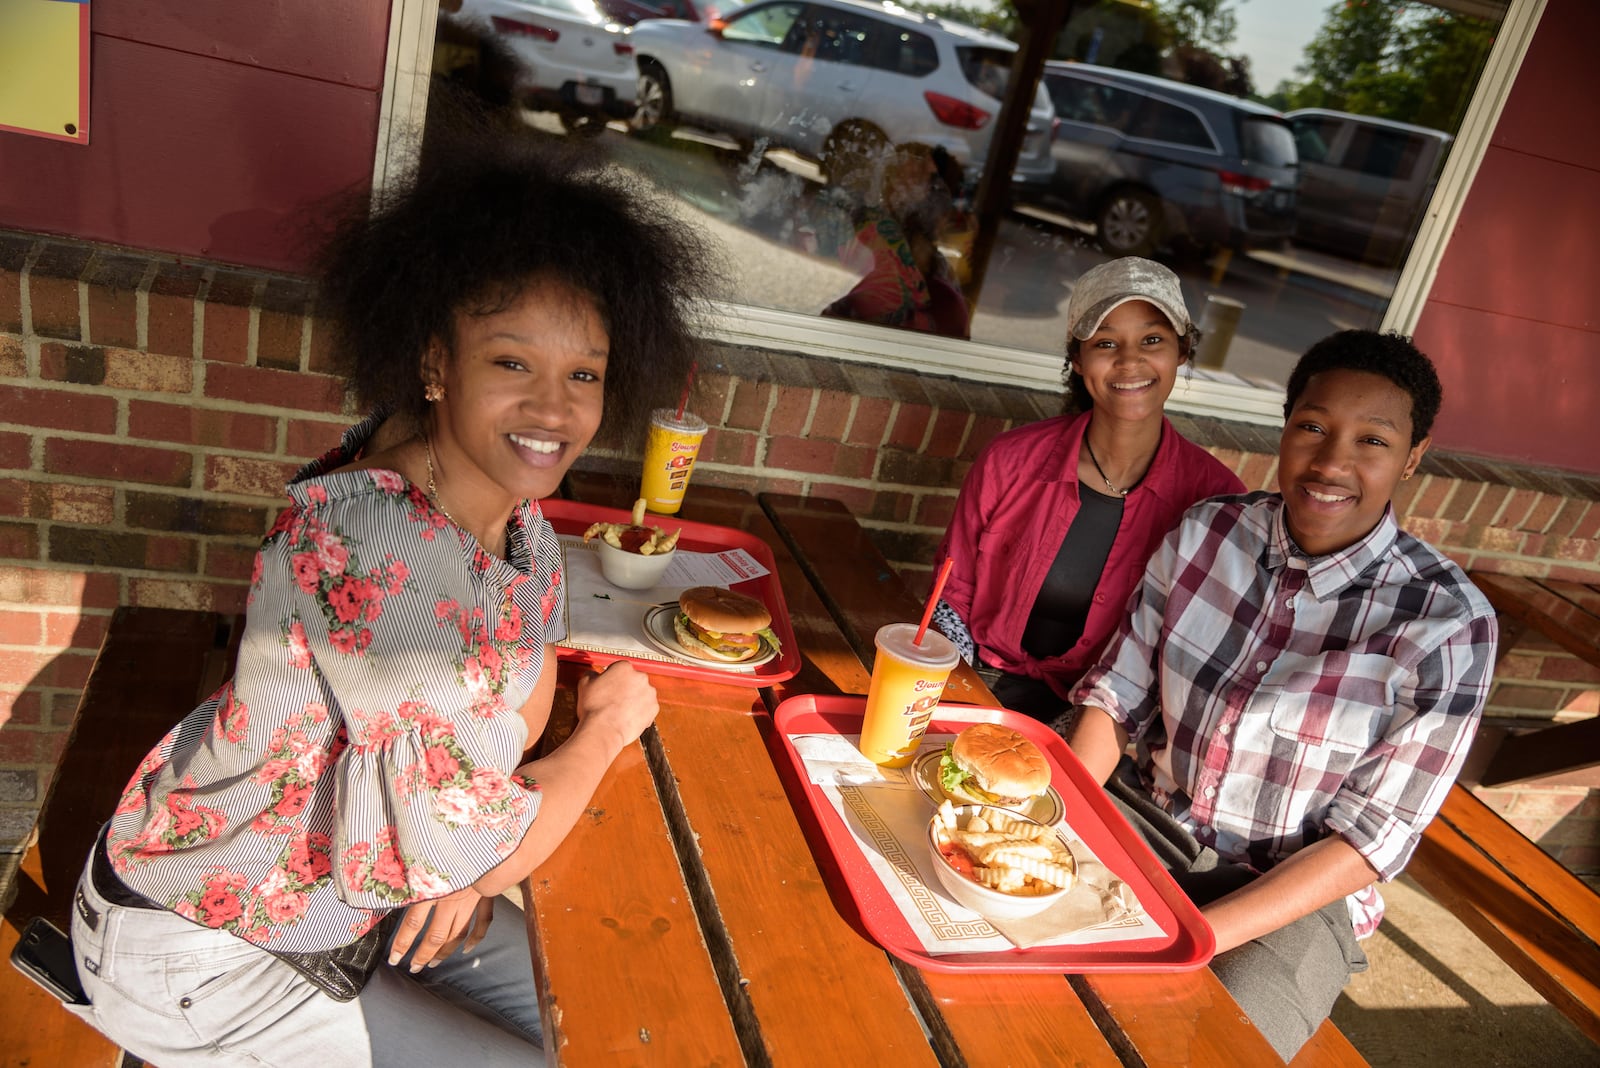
{"points": [[988, 764], [715, 608], [717, 624]]}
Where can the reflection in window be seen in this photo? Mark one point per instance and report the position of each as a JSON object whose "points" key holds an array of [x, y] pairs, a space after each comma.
{"points": [[1286, 169]]}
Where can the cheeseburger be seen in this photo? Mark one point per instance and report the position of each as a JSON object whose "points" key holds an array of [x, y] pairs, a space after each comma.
{"points": [[717, 624], [988, 764]]}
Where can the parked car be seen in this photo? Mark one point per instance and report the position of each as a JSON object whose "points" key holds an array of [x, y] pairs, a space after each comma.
{"points": [[577, 61], [628, 12], [1364, 182], [833, 78], [1155, 163]]}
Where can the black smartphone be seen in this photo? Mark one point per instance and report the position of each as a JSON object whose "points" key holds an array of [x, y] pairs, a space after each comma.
{"points": [[45, 955]]}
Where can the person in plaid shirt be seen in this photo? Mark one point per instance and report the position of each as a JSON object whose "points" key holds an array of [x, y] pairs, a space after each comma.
{"points": [[1302, 679]]}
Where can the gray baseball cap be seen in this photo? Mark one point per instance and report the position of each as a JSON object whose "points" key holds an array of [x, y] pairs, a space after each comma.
{"points": [[1102, 289]]}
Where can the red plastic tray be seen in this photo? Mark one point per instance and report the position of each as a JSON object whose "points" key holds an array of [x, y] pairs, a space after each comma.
{"points": [[1089, 813], [574, 517]]}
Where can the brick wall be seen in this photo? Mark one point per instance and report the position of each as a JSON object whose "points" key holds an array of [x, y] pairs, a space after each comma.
{"points": [[150, 412]]}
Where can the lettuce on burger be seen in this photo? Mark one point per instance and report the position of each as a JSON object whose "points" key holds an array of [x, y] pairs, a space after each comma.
{"points": [[988, 764], [717, 624]]}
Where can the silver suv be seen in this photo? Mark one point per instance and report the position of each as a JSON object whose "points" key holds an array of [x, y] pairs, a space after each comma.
{"points": [[831, 78]]}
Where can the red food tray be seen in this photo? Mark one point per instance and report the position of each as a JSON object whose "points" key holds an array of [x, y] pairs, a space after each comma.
{"points": [[574, 517], [1089, 813]]}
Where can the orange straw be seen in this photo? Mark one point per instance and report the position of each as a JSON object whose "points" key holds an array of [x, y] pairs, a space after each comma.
{"points": [[683, 401], [933, 599]]}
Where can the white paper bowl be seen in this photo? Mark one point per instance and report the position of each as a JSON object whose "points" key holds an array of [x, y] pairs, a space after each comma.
{"points": [[630, 570], [979, 898]]}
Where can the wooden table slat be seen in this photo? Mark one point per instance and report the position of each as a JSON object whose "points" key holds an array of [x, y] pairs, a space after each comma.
{"points": [[617, 947], [812, 965]]}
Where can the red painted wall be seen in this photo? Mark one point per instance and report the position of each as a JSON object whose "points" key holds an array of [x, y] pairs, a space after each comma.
{"points": [[213, 126], [1511, 320]]}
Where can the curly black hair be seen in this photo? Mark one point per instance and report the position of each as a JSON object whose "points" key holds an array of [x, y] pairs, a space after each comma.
{"points": [[1391, 355], [487, 215], [1076, 400]]}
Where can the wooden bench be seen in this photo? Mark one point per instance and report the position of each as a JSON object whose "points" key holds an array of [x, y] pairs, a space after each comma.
{"points": [[864, 592], [154, 665], [1568, 614]]}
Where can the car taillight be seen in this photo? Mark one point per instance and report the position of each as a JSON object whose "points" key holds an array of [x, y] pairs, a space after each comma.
{"points": [[1233, 182], [525, 29], [953, 112], [622, 49]]}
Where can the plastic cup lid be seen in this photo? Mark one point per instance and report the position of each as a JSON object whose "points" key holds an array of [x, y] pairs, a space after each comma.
{"points": [[936, 651]]}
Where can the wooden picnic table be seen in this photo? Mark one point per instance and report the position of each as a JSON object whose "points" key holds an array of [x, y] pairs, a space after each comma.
{"points": [[704, 826]]}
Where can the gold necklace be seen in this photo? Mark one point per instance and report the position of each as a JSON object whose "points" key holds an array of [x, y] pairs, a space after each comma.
{"points": [[1086, 444], [433, 491]]}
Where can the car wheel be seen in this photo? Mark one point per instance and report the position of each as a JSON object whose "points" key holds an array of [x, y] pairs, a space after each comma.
{"points": [[1129, 223], [851, 155], [652, 116]]}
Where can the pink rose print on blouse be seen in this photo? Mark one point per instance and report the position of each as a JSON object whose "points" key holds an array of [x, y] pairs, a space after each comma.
{"points": [[176, 823], [326, 567], [378, 868], [423, 512], [463, 793], [550, 597], [488, 658], [292, 765], [294, 636], [390, 482], [233, 718]]}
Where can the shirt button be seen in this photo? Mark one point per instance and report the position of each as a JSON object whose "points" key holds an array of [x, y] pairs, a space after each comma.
{"points": [[1288, 602], [1261, 665], [1210, 791], [1224, 729]]}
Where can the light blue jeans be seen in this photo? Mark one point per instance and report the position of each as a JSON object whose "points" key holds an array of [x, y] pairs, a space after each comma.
{"points": [[175, 993]]}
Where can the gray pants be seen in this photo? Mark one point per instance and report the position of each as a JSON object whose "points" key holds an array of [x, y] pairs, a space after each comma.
{"points": [[1285, 981], [175, 993]]}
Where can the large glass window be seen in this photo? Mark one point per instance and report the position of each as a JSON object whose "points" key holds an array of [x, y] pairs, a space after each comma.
{"points": [[1278, 155]]}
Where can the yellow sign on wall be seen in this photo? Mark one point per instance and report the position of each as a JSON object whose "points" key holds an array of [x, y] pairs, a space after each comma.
{"points": [[44, 68]]}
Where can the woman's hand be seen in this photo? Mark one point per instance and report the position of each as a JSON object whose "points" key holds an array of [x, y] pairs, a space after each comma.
{"points": [[619, 698], [463, 915]]}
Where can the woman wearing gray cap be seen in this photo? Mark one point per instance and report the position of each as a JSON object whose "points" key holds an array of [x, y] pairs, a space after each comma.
{"points": [[1057, 519]]}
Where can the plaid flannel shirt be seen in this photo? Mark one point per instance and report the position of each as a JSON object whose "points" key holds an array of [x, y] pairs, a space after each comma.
{"points": [[1278, 698]]}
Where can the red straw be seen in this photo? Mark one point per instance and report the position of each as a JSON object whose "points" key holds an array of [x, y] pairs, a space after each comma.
{"points": [[933, 599], [683, 401]]}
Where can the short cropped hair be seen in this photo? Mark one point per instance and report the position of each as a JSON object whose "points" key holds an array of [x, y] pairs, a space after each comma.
{"points": [[1391, 355], [489, 214]]}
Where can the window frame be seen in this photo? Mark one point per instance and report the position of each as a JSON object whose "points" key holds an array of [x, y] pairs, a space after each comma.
{"points": [[404, 102]]}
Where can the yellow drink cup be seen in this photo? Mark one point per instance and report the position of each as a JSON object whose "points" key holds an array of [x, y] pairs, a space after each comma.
{"points": [[669, 455], [907, 680]]}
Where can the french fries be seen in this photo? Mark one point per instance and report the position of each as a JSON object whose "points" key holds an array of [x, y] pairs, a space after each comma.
{"points": [[1008, 854], [635, 537]]}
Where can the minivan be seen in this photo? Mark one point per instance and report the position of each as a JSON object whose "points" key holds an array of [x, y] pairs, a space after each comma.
{"points": [[1155, 163], [1364, 182]]}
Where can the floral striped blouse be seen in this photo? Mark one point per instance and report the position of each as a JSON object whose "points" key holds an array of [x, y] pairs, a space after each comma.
{"points": [[362, 756]]}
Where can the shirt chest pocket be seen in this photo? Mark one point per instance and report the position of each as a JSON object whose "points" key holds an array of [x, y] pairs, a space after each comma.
{"points": [[1341, 703], [999, 548]]}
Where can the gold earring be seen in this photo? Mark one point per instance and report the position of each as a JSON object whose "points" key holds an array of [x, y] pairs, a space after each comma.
{"points": [[433, 392]]}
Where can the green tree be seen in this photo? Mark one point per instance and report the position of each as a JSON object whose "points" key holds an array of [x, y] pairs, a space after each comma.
{"points": [[1394, 59], [1001, 19], [1207, 24]]}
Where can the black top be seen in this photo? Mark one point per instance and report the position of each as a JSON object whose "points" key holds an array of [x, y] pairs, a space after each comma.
{"points": [[1062, 606]]}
